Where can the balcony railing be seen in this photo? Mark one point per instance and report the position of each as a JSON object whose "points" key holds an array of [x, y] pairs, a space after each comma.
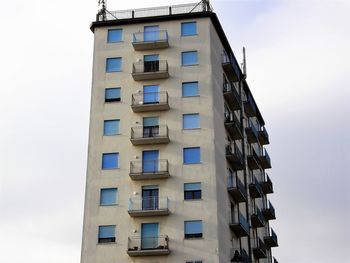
{"points": [[265, 160], [233, 126], [252, 133], [152, 169], [235, 157], [267, 185], [253, 160], [239, 225], [239, 255], [230, 68], [150, 101], [148, 206], [236, 189], [255, 189], [148, 246], [158, 134], [263, 136], [257, 219], [150, 40], [146, 70], [269, 212], [250, 108], [232, 97], [260, 250], [271, 239]]}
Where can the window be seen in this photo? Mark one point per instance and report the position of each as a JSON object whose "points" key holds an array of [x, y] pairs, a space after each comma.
{"points": [[193, 229], [114, 35], [188, 29], [112, 94], [111, 127], [110, 161], [190, 121], [190, 89], [106, 234], [113, 64], [108, 196], [151, 33], [191, 155], [196, 261], [189, 58], [192, 191]]}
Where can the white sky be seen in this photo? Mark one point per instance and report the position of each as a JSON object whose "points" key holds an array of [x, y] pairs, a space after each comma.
{"points": [[298, 70]]}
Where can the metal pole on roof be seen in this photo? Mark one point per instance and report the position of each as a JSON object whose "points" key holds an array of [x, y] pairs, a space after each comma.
{"points": [[103, 11]]}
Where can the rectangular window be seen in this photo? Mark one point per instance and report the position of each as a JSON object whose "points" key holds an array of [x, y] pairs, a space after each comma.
{"points": [[196, 261], [188, 29], [111, 127], [193, 229], [108, 196], [191, 155], [190, 121], [113, 64], [112, 94], [106, 234], [110, 161], [192, 191], [115, 35], [190, 89], [151, 33], [189, 58]]}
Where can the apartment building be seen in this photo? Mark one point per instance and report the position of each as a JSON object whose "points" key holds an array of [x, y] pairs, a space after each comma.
{"points": [[177, 159]]}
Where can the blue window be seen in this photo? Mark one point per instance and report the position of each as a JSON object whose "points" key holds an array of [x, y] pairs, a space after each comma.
{"points": [[113, 64], [193, 229], [106, 234], [189, 29], [112, 94], [111, 127], [190, 89], [192, 191], [191, 121], [191, 155], [108, 196], [115, 35], [110, 161], [189, 58]]}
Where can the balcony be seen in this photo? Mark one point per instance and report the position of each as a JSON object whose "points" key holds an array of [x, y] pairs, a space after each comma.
{"points": [[145, 170], [233, 126], [258, 219], [148, 206], [231, 96], [150, 101], [255, 189], [252, 133], [230, 68], [267, 185], [148, 70], [265, 160], [253, 160], [148, 246], [260, 250], [275, 260], [250, 108], [240, 226], [239, 255], [271, 239], [150, 40], [263, 136], [269, 212], [234, 157], [236, 189], [142, 135]]}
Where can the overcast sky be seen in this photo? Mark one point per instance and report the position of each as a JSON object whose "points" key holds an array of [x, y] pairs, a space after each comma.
{"points": [[298, 70]]}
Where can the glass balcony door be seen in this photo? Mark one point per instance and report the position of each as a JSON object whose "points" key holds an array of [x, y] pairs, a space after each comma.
{"points": [[150, 198], [151, 33], [150, 127], [149, 236], [151, 94], [151, 63], [150, 161]]}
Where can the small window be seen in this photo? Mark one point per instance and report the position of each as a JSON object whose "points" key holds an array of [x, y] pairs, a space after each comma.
{"points": [[190, 89], [189, 58], [188, 29], [192, 191], [112, 94], [108, 196], [191, 155], [111, 127], [193, 229], [190, 121], [113, 64], [110, 161], [106, 234], [196, 261], [115, 35]]}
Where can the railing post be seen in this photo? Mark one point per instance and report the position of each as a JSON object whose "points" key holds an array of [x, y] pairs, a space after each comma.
{"points": [[169, 10]]}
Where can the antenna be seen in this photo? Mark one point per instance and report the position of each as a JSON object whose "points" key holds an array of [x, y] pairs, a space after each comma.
{"points": [[244, 64], [102, 13]]}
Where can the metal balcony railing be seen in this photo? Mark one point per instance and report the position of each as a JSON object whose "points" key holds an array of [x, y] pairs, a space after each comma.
{"points": [[236, 188], [269, 212], [241, 222], [271, 239], [263, 136], [141, 102], [232, 96], [253, 160], [266, 184], [150, 36], [265, 160], [250, 107], [255, 189], [149, 132], [149, 167], [252, 133], [148, 203], [150, 245], [239, 255], [260, 250], [150, 66], [257, 218], [233, 125], [230, 68]]}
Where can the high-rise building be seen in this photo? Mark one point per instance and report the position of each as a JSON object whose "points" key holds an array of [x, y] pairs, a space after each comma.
{"points": [[177, 158]]}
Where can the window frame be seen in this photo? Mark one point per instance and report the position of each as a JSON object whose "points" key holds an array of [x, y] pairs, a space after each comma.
{"points": [[193, 192], [113, 99], [106, 240], [117, 161], [183, 155], [191, 34], [115, 29], [113, 71], [193, 235], [118, 127], [189, 82], [192, 64], [116, 197], [197, 120]]}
